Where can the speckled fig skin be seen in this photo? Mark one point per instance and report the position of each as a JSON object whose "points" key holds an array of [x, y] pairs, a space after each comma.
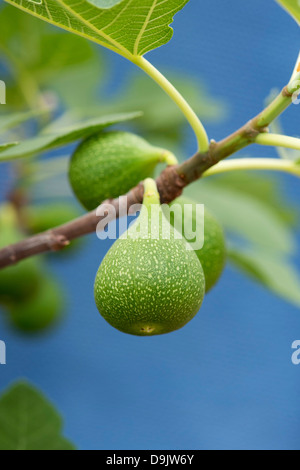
{"points": [[213, 254], [148, 286], [109, 164]]}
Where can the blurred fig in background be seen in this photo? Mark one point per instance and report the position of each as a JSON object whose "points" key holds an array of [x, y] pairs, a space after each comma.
{"points": [[41, 311], [21, 280], [43, 217]]}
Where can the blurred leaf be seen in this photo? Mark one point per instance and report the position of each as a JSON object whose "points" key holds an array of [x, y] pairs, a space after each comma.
{"points": [[274, 272], [77, 86], [10, 120], [259, 225], [248, 210], [160, 112], [109, 26], [7, 146], [43, 217], [293, 7], [41, 58], [51, 140], [63, 65], [39, 218], [161, 119], [263, 187], [28, 421]]}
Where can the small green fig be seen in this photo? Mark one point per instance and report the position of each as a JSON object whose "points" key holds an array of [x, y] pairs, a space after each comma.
{"points": [[109, 164], [20, 280], [149, 283], [43, 217], [40, 311], [213, 254]]}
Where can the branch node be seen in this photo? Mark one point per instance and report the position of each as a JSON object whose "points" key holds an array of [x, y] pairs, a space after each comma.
{"points": [[250, 132], [170, 184], [286, 93], [58, 242]]}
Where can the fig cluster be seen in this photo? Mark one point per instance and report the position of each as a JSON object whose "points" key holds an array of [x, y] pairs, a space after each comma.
{"points": [[145, 285]]}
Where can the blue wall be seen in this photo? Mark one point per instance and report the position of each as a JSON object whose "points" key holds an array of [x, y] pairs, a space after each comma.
{"points": [[225, 381]]}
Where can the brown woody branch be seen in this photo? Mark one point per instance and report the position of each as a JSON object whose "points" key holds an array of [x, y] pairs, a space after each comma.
{"points": [[170, 185]]}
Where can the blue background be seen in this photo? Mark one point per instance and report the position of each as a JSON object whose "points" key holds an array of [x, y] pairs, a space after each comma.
{"points": [[226, 380]]}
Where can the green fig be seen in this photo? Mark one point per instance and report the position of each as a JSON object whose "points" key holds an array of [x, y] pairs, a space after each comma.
{"points": [[149, 283], [213, 254], [20, 280], [43, 217], [109, 164], [42, 310]]}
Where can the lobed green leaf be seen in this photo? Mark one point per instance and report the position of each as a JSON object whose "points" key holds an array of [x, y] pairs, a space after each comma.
{"points": [[28, 421], [129, 27], [59, 67]]}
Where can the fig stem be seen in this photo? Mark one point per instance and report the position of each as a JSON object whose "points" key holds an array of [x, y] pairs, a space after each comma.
{"points": [[189, 113], [151, 194], [169, 158], [276, 140], [243, 164]]}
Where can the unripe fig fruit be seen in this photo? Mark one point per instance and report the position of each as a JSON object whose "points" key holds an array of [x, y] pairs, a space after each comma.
{"points": [[108, 165], [42, 310], [149, 284], [43, 217], [20, 280], [213, 254]]}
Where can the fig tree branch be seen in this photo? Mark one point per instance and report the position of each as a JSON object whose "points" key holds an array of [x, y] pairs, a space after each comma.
{"points": [[170, 183], [248, 134]]}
